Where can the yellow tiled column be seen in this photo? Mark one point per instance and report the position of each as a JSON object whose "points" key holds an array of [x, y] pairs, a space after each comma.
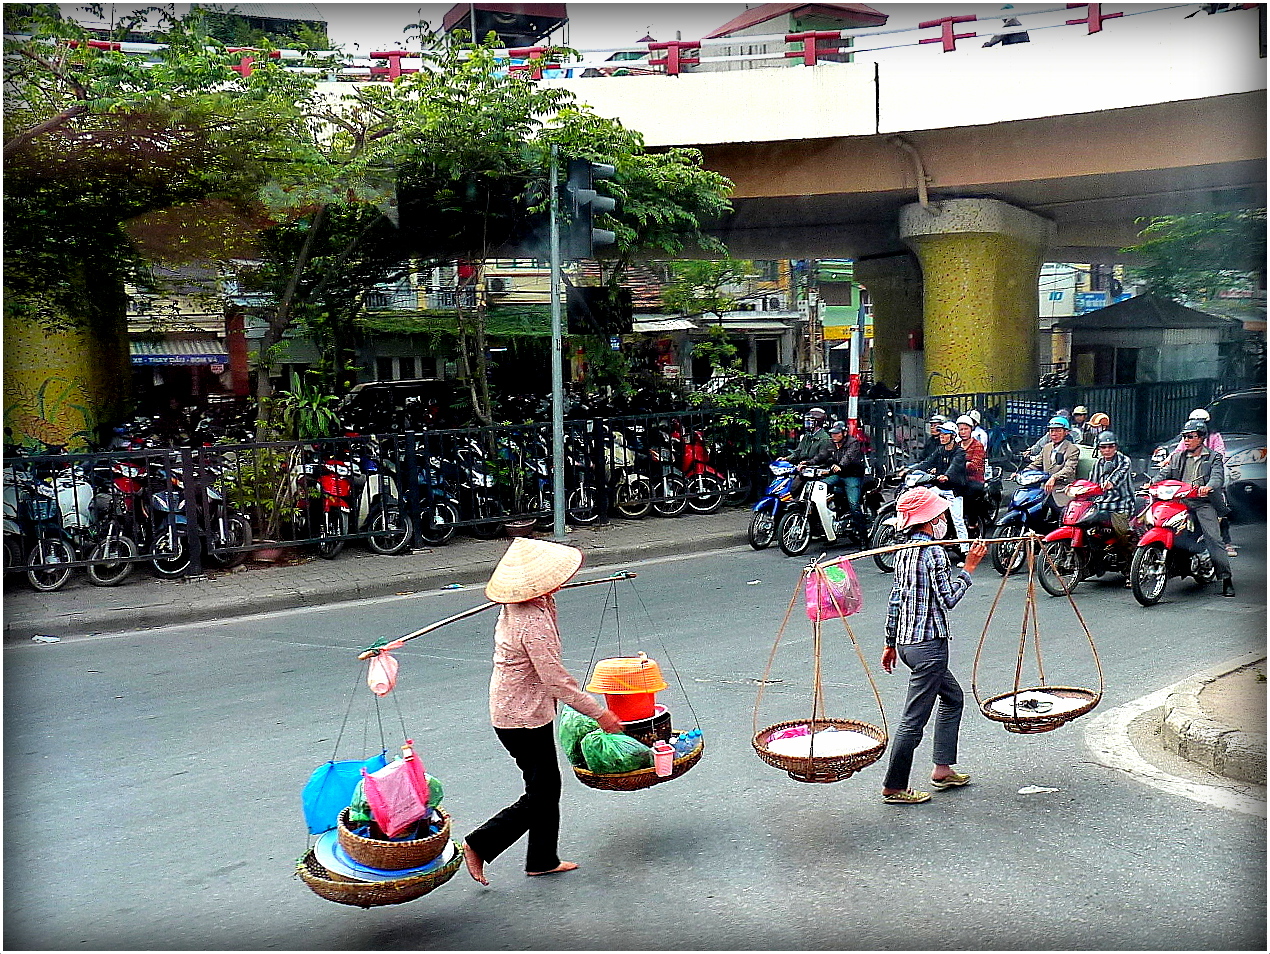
{"points": [[60, 379], [894, 283], [981, 261]]}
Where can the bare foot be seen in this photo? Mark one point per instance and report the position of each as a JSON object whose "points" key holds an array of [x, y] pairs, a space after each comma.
{"points": [[475, 866], [563, 866]]}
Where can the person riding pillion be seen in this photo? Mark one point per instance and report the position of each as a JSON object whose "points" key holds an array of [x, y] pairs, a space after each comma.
{"points": [[1058, 457], [976, 462], [948, 464], [1204, 469], [1113, 473]]}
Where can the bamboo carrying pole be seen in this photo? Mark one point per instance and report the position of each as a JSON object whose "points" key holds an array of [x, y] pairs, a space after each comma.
{"points": [[909, 546], [396, 643]]}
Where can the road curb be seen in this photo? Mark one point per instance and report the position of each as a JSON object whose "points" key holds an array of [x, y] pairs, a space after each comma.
{"points": [[1193, 734]]}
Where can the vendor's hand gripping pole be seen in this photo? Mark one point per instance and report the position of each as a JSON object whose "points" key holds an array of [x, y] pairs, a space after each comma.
{"points": [[384, 644]]}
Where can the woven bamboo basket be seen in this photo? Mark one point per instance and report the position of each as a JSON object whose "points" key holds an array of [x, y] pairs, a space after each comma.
{"points": [[641, 778], [393, 855], [822, 768], [372, 894], [1032, 723]]}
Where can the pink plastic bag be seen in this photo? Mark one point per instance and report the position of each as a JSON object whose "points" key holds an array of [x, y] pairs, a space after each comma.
{"points": [[397, 793], [833, 591], [382, 674]]}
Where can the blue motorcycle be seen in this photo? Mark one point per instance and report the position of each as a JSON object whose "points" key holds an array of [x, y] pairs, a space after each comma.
{"points": [[1029, 509], [775, 499]]}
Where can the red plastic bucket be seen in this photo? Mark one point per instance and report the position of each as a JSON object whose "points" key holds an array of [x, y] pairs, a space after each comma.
{"points": [[632, 706]]}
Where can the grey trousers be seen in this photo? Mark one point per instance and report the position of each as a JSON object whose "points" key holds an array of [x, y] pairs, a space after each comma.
{"points": [[930, 681], [1210, 526]]}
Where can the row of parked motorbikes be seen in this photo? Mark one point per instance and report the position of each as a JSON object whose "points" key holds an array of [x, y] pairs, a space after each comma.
{"points": [[1079, 541], [141, 502]]}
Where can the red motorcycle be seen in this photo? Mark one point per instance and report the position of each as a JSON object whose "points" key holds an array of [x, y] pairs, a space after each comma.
{"points": [[706, 485], [1171, 544], [331, 521], [1085, 544]]}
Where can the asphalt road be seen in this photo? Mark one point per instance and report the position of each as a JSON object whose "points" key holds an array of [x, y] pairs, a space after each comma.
{"points": [[153, 779]]}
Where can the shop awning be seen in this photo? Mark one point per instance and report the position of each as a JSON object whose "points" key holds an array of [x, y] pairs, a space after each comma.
{"points": [[187, 351], [656, 325]]}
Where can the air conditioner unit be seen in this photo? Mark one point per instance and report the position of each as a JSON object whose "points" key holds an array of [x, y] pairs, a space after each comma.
{"points": [[498, 286]]}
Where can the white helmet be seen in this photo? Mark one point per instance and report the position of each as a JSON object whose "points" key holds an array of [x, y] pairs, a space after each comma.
{"points": [[1199, 414], [966, 419], [974, 415]]}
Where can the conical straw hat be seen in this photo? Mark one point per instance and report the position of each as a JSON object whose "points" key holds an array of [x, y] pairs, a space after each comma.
{"points": [[531, 568]]}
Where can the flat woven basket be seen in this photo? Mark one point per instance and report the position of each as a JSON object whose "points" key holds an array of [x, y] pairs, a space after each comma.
{"points": [[822, 768], [641, 778], [372, 894], [1032, 723], [393, 855]]}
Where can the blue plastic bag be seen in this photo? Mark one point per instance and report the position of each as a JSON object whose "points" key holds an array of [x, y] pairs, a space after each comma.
{"points": [[330, 789]]}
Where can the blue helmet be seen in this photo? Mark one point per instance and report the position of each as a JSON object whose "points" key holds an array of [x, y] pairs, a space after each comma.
{"points": [[1059, 422]]}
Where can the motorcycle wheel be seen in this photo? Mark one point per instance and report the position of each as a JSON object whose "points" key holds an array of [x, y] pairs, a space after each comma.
{"points": [[171, 558], [793, 531], [583, 510], [883, 536], [672, 489], [1068, 568], [1148, 573], [332, 533], [111, 561], [633, 498], [706, 493], [1205, 572], [12, 553], [1008, 553], [739, 487], [439, 528], [231, 551], [486, 529], [762, 529], [46, 559], [390, 531]]}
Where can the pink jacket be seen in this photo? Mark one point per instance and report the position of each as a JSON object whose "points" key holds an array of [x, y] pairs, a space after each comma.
{"points": [[529, 673]]}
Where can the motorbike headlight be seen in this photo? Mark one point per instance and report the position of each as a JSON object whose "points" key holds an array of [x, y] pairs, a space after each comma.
{"points": [[1253, 455]]}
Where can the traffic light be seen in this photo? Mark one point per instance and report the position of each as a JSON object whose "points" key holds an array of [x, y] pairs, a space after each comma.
{"points": [[581, 203]]}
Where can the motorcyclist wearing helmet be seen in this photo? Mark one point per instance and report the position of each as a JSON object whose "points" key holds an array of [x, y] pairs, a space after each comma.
{"points": [[948, 464], [815, 437], [1215, 442], [976, 464], [1205, 469], [1076, 423], [1058, 457], [1112, 471], [932, 438], [845, 459], [977, 432], [1098, 422]]}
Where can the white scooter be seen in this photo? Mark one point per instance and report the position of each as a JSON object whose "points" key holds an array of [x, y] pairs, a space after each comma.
{"points": [[812, 514], [886, 526]]}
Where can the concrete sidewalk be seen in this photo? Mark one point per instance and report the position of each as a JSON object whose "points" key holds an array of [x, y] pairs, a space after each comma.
{"points": [[1217, 719], [144, 601]]}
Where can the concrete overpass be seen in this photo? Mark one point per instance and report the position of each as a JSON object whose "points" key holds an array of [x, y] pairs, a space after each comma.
{"points": [[950, 177]]}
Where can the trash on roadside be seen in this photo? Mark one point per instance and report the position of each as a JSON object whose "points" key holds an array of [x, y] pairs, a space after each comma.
{"points": [[1035, 790], [754, 583], [46, 639], [452, 586]]}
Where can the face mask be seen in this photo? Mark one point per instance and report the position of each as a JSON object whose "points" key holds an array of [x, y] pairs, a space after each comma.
{"points": [[938, 527]]}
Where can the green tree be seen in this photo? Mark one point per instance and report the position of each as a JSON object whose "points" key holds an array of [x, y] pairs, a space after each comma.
{"points": [[1195, 257]]}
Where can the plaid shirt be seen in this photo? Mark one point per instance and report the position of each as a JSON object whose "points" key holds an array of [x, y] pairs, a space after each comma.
{"points": [[925, 589], [1119, 498]]}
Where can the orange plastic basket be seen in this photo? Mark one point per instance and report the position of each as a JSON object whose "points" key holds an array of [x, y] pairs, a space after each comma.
{"points": [[627, 674]]}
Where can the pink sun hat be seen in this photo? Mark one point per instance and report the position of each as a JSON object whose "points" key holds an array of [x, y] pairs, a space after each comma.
{"points": [[919, 505]]}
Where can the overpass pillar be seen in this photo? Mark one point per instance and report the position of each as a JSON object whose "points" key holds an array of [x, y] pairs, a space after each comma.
{"points": [[895, 289], [981, 261]]}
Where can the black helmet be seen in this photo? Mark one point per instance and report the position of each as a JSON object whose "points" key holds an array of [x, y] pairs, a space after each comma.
{"points": [[1195, 427], [837, 428], [1105, 438]]}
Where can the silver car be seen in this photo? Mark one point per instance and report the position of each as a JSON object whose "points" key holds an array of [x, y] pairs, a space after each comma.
{"points": [[1240, 418]]}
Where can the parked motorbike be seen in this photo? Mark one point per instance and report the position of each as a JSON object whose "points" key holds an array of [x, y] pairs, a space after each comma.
{"points": [[770, 507], [705, 483], [48, 548], [170, 554], [1171, 543], [665, 479], [471, 476], [885, 527], [1084, 545], [1028, 510], [378, 510], [812, 514], [126, 524]]}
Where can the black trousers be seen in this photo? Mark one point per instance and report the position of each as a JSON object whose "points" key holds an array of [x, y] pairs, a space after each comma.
{"points": [[536, 812]]}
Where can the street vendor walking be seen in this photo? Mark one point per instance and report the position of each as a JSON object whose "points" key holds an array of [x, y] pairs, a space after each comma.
{"points": [[926, 586], [529, 679]]}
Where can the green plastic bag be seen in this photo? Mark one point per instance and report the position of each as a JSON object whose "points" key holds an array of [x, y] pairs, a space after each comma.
{"points": [[435, 792], [359, 808], [573, 727], [608, 754]]}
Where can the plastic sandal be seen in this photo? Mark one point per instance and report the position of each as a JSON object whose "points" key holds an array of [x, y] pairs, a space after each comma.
{"points": [[956, 780]]}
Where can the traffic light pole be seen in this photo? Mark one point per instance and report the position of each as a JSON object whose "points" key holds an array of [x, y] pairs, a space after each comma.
{"points": [[557, 364]]}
